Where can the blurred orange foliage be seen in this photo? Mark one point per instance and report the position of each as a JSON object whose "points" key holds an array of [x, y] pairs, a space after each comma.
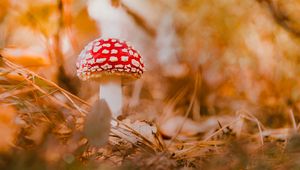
{"points": [[8, 127]]}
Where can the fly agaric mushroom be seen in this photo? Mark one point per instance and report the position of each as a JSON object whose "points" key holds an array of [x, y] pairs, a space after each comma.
{"points": [[110, 62]]}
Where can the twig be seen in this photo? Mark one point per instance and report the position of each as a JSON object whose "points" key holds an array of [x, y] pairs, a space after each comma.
{"points": [[250, 117], [292, 117], [188, 110], [222, 129]]}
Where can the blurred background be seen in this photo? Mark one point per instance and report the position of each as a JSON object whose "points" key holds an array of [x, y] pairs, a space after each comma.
{"points": [[204, 59]]}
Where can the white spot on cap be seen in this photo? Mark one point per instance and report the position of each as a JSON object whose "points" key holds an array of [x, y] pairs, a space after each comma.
{"points": [[119, 66], [136, 55], [106, 45], [98, 39], [113, 40], [135, 63], [128, 66], [106, 66], [100, 60], [141, 67], [105, 52], [124, 50], [124, 58], [120, 69], [141, 61], [88, 56], [130, 52], [97, 43], [113, 51], [133, 69], [91, 61], [83, 61], [118, 45], [96, 49], [84, 69], [113, 59]]}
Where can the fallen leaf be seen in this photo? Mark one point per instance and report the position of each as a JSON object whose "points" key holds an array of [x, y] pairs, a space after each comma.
{"points": [[97, 125], [136, 131], [185, 127]]}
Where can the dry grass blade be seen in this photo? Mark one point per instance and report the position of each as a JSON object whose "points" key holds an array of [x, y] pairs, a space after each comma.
{"points": [[195, 153], [196, 86], [250, 117], [120, 133], [14, 92], [30, 77]]}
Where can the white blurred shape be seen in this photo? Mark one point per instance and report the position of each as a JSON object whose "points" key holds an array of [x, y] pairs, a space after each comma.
{"points": [[167, 41], [66, 44], [256, 39], [110, 19], [168, 47]]}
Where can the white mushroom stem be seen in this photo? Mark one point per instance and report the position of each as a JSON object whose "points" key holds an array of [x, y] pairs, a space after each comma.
{"points": [[111, 91]]}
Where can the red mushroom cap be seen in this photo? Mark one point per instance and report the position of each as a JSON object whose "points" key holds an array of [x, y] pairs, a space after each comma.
{"points": [[109, 57]]}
